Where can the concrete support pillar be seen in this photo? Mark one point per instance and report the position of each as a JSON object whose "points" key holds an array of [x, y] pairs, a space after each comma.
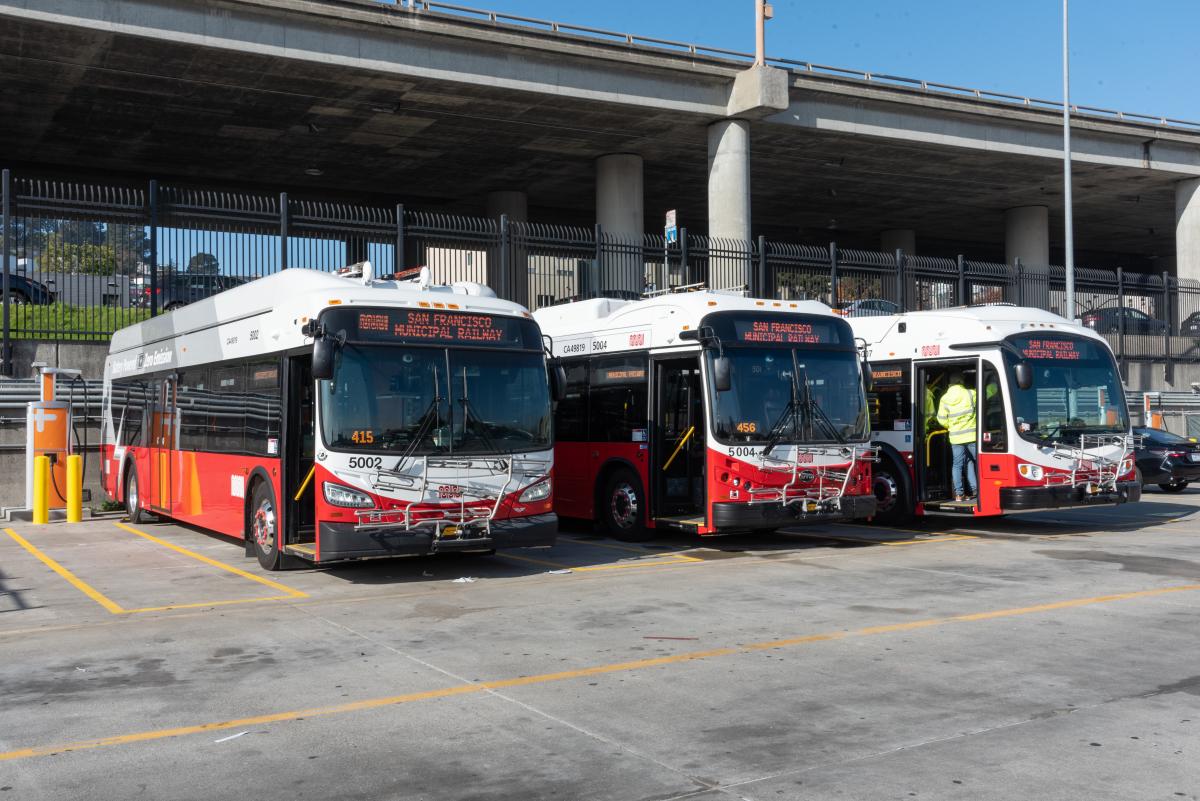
{"points": [[514, 204], [729, 180], [1187, 228], [619, 203], [1027, 235], [621, 214], [898, 239]]}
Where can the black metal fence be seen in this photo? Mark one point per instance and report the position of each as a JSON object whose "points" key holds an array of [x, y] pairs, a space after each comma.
{"points": [[77, 263]]}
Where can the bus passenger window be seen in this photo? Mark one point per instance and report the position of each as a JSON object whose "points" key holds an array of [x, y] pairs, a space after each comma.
{"points": [[262, 408], [227, 411], [618, 398], [994, 426], [193, 401], [570, 416]]}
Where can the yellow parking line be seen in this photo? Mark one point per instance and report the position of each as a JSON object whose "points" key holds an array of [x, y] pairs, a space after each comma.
{"points": [[866, 541], [72, 579], [588, 568], [543, 678], [215, 563], [614, 547]]}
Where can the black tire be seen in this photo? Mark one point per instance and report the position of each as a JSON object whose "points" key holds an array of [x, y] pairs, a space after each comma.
{"points": [[893, 505], [19, 297], [263, 526], [1138, 477], [134, 510], [623, 507], [1174, 486]]}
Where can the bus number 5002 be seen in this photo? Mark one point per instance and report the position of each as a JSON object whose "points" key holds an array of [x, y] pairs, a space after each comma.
{"points": [[365, 462]]}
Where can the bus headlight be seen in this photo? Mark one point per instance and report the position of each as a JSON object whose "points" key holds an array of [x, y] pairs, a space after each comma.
{"points": [[1033, 472], [337, 495], [536, 492], [1126, 466]]}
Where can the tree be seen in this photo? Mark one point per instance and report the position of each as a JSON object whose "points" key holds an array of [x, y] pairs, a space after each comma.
{"points": [[203, 264], [60, 255]]}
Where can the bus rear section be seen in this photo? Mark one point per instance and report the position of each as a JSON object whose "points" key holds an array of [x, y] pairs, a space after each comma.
{"points": [[1050, 425], [709, 413], [352, 419]]}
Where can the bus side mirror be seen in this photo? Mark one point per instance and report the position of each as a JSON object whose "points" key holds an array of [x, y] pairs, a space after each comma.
{"points": [[324, 349], [1024, 375], [722, 379], [868, 378], [558, 382]]}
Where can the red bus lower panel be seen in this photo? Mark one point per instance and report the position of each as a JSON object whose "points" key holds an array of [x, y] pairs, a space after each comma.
{"points": [[1022, 499], [341, 542], [773, 515]]}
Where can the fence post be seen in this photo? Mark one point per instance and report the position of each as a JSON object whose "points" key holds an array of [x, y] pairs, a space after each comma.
{"points": [[962, 281], [593, 277], [1121, 318], [6, 365], [762, 290], [398, 251], [504, 277], [684, 269], [153, 200], [284, 230], [901, 261], [833, 275], [1020, 281], [1169, 368]]}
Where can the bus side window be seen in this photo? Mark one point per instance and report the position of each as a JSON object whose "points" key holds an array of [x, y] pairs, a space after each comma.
{"points": [[227, 412], [262, 407], [571, 415], [193, 400], [890, 405], [995, 429], [619, 391]]}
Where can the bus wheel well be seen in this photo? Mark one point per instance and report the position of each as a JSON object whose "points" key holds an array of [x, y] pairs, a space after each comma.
{"points": [[903, 481], [255, 478]]}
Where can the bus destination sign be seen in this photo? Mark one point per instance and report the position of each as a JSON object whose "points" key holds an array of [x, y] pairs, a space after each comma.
{"points": [[431, 327], [782, 332], [1052, 349]]}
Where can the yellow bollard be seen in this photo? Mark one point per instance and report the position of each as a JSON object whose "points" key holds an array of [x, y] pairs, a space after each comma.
{"points": [[74, 488], [41, 489]]}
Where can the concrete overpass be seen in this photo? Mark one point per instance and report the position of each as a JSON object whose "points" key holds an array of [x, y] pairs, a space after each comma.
{"points": [[478, 113]]}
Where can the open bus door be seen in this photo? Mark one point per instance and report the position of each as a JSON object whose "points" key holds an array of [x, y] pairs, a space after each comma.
{"points": [[299, 448], [162, 442], [933, 460], [677, 460]]}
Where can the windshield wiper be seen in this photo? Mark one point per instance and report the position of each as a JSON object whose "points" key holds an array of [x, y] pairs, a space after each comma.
{"points": [[469, 414], [815, 412], [789, 412], [430, 420]]}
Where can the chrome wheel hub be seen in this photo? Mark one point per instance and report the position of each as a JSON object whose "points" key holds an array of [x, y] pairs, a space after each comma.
{"points": [[264, 526], [131, 493], [624, 506], [886, 491]]}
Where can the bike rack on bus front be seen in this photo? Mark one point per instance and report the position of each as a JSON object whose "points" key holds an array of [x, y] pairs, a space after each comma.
{"points": [[831, 484], [1089, 469]]}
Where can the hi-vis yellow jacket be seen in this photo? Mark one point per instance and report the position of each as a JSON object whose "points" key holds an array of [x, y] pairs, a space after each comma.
{"points": [[957, 413]]}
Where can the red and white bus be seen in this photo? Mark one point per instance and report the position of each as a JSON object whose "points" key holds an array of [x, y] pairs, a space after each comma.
{"points": [[1053, 426], [708, 412], [332, 417]]}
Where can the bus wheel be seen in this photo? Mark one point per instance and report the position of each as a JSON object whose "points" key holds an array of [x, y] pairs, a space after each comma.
{"points": [[264, 526], [623, 507], [891, 500], [133, 497], [1175, 486]]}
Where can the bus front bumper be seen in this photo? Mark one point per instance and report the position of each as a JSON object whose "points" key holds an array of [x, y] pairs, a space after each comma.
{"points": [[1022, 499], [341, 542], [769, 515]]}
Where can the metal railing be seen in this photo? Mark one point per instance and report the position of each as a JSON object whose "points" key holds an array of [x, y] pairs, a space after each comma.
{"points": [[77, 260], [668, 46]]}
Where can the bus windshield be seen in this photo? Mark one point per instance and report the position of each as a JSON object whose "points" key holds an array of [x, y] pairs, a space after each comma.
{"points": [[790, 395], [1076, 389], [422, 400]]}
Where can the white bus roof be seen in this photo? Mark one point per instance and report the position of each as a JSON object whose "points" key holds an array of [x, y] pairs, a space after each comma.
{"points": [[661, 317], [963, 324], [265, 316]]}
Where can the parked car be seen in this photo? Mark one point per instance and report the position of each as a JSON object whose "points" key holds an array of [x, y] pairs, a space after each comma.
{"points": [[868, 307], [26, 290], [1107, 320], [1191, 326], [179, 290], [1167, 459]]}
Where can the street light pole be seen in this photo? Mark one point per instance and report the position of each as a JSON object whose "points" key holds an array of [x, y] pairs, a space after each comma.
{"points": [[1069, 232], [760, 32]]}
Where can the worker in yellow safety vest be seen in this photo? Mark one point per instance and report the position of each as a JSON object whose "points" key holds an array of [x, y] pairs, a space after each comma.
{"points": [[957, 413]]}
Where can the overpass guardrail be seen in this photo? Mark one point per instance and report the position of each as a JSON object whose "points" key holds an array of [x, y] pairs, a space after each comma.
{"points": [[81, 260]]}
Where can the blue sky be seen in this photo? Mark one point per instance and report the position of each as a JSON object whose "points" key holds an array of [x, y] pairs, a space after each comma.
{"points": [[1134, 56]]}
